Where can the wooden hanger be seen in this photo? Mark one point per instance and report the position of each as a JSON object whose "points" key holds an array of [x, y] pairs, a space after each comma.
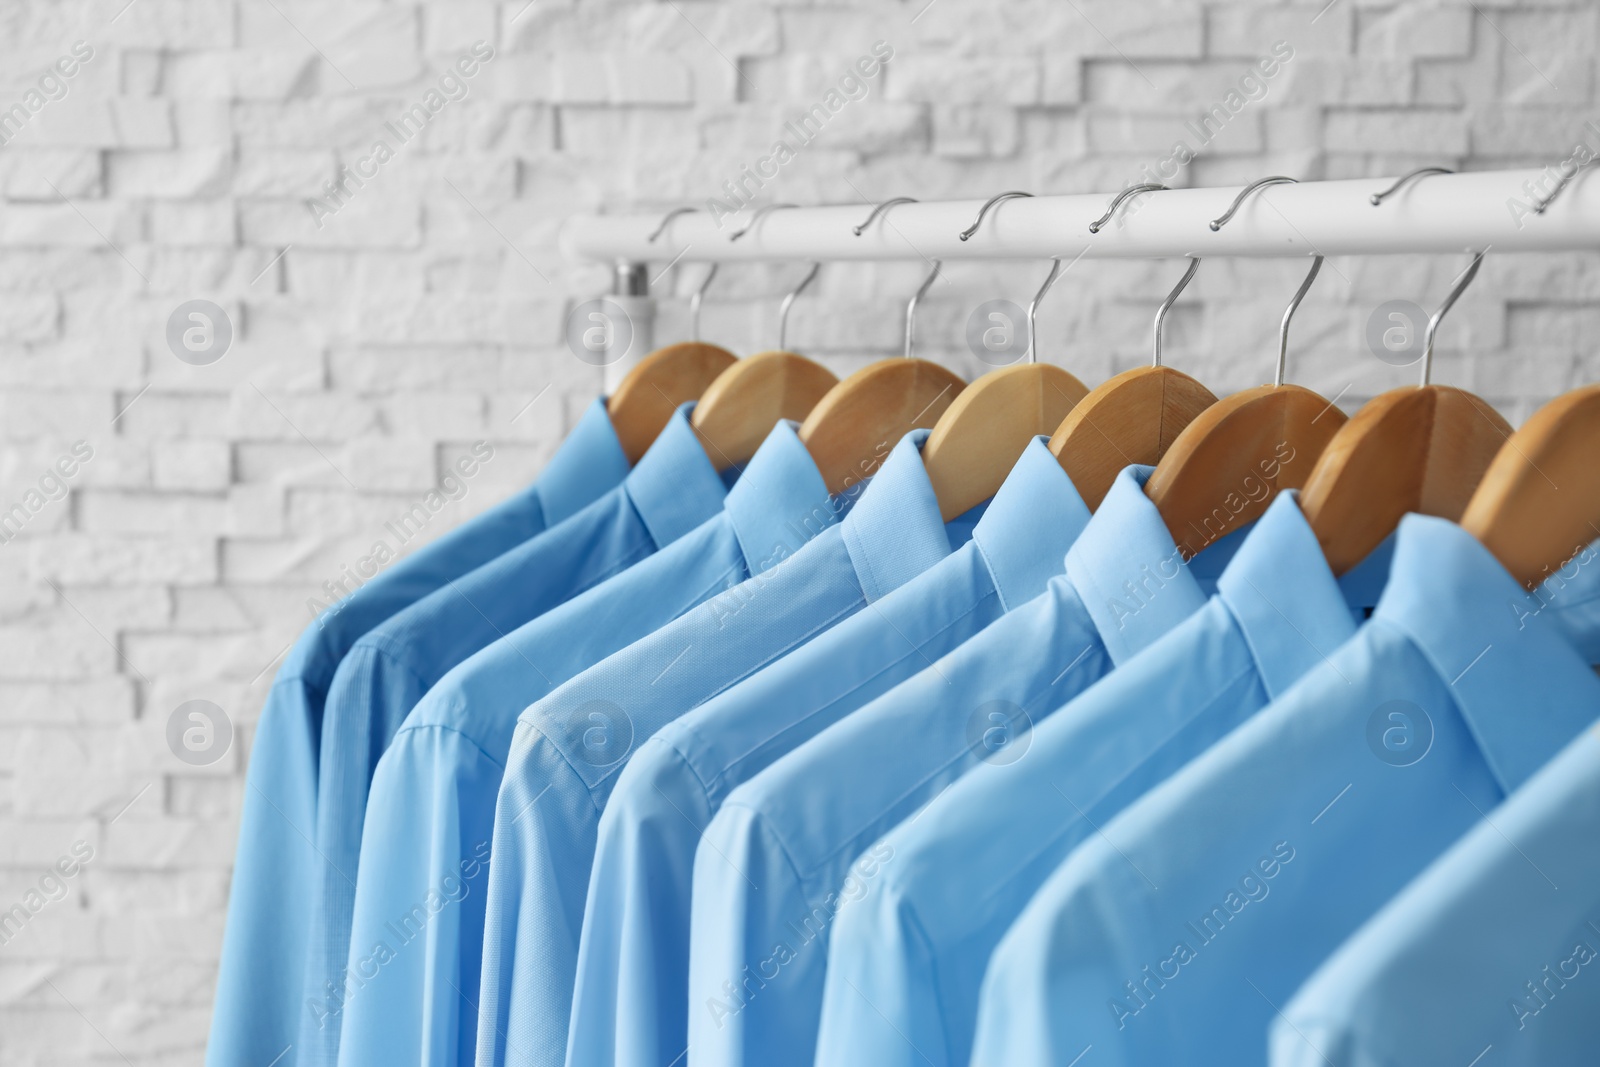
{"points": [[1419, 449], [1136, 415], [651, 391], [746, 401], [853, 428], [1539, 503], [1132, 418], [1227, 465], [983, 432]]}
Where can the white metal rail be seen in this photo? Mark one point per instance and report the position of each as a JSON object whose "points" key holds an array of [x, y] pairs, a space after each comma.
{"points": [[1432, 213]]}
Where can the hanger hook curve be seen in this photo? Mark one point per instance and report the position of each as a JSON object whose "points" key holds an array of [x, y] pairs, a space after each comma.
{"points": [[1144, 187], [967, 233], [1378, 198], [880, 209], [788, 302], [916, 298], [694, 303], [1166, 305], [1438, 316], [760, 213], [668, 217], [1283, 330], [1033, 306], [1276, 179]]}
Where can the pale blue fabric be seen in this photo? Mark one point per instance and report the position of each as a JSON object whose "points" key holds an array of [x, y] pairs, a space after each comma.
{"points": [[430, 813], [671, 490], [1281, 839], [630, 1008], [259, 986], [1491, 952], [905, 964], [570, 746], [794, 844]]}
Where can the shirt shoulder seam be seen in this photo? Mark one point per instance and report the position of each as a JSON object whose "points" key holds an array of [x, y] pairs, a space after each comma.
{"points": [[445, 728], [766, 661], [380, 648], [765, 828], [916, 649], [1110, 787]]}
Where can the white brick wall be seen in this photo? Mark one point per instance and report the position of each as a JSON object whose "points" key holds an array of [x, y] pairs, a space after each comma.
{"points": [[429, 312]]}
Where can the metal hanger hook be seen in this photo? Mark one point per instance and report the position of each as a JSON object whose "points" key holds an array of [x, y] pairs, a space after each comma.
{"points": [[1378, 198], [880, 209], [668, 217], [760, 213], [1276, 179], [1033, 306], [1438, 316], [967, 233], [1283, 330], [916, 298], [1166, 305], [788, 302], [694, 303], [1132, 190]]}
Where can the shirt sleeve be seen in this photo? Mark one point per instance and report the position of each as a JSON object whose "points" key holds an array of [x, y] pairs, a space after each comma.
{"points": [[1015, 1022], [880, 968], [633, 961], [544, 833], [753, 933], [1493, 945], [258, 1005], [370, 696], [1098, 959], [1308, 1044], [418, 904]]}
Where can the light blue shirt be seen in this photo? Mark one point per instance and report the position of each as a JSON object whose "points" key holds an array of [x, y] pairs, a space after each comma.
{"points": [[630, 1008], [671, 490], [412, 982], [259, 986], [1280, 840], [905, 963], [793, 845], [1489, 954], [570, 747]]}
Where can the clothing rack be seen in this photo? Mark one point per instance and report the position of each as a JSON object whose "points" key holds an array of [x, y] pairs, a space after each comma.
{"points": [[1431, 212]]}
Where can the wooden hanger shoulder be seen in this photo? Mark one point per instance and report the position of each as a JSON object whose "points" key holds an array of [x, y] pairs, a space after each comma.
{"points": [[854, 426], [1419, 449], [746, 401], [1228, 464], [650, 392], [1539, 503], [981, 434], [1132, 418]]}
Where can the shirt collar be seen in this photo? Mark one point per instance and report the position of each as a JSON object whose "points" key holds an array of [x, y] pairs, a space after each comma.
{"points": [[1571, 598], [780, 501], [1279, 588], [895, 531], [1364, 583], [674, 487], [1129, 574], [591, 453], [1518, 680], [1030, 524]]}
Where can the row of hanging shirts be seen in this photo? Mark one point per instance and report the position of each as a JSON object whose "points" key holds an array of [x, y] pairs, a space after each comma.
{"points": [[900, 720]]}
